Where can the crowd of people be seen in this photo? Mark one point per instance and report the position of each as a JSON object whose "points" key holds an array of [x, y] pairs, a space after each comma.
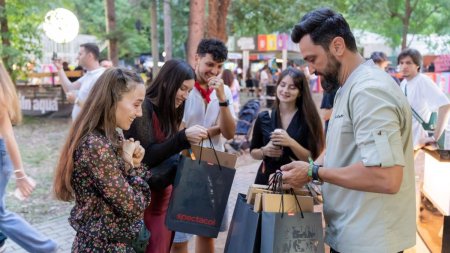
{"points": [[122, 128]]}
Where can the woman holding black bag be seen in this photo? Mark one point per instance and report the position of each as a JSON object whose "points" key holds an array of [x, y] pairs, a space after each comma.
{"points": [[159, 133]]}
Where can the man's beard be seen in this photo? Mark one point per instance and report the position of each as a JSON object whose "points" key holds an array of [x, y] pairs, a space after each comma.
{"points": [[331, 74]]}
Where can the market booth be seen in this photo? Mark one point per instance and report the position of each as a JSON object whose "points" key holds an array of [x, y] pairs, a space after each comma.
{"points": [[41, 95]]}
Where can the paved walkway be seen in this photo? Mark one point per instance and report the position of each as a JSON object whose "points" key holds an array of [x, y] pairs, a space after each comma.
{"points": [[59, 229]]}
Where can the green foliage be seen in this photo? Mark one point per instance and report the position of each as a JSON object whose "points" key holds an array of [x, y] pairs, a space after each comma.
{"points": [[385, 17], [252, 17], [24, 18]]}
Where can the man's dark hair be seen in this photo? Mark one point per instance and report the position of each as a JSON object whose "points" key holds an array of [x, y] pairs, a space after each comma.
{"points": [[92, 48], [413, 53], [378, 57], [215, 47], [323, 25]]}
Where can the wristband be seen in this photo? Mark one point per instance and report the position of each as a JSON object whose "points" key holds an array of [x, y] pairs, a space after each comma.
{"points": [[313, 172], [310, 169], [226, 103]]}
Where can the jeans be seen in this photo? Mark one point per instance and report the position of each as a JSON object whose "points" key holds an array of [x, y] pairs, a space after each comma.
{"points": [[11, 224]]}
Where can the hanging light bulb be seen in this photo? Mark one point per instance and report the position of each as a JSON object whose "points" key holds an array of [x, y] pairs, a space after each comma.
{"points": [[61, 25]]}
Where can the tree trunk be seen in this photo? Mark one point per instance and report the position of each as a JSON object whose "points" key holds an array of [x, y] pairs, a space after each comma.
{"points": [[196, 28], [113, 51], [405, 22], [154, 35], [5, 34], [217, 19], [167, 30]]}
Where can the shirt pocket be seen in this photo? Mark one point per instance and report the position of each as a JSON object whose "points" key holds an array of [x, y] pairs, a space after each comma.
{"points": [[383, 148]]}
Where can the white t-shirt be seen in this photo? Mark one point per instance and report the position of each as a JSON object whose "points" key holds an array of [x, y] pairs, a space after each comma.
{"points": [[87, 82], [195, 113], [425, 97]]}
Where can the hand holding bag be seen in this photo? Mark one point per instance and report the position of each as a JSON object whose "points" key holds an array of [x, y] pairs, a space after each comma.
{"points": [[288, 230]]}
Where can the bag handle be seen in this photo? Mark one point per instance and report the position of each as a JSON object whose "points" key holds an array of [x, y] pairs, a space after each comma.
{"points": [[214, 150], [276, 185]]}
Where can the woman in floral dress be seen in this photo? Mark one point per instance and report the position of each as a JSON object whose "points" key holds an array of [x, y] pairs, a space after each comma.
{"points": [[101, 171]]}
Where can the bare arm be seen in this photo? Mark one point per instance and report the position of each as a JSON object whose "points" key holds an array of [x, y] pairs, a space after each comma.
{"points": [[6, 131], [443, 117], [326, 113], [356, 176], [226, 122], [66, 84]]}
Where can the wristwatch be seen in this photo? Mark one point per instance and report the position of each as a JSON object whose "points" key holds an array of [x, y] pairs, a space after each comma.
{"points": [[226, 103]]}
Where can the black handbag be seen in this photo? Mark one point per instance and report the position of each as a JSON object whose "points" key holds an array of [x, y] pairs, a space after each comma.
{"points": [[163, 175]]}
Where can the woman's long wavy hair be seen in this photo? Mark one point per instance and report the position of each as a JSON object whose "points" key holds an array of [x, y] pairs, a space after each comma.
{"points": [[163, 91], [8, 96], [98, 112], [305, 103]]}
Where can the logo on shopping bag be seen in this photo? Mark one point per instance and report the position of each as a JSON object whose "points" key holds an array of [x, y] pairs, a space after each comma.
{"points": [[196, 219], [300, 239]]}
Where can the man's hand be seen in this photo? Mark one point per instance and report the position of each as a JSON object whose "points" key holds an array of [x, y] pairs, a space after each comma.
{"points": [[58, 64], [295, 174], [71, 97], [217, 84]]}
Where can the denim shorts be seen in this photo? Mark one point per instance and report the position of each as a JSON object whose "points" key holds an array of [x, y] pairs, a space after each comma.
{"points": [[184, 237]]}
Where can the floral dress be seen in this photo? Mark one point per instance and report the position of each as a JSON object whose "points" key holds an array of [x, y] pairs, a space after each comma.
{"points": [[109, 202]]}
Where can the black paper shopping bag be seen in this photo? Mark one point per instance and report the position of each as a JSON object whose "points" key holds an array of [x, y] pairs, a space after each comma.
{"points": [[199, 197], [244, 235]]}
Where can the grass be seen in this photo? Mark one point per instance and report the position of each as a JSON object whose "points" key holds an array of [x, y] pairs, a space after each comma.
{"points": [[40, 140]]}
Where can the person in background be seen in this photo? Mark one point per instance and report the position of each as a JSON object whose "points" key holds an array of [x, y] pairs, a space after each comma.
{"points": [[78, 91], [106, 63], [382, 61], [326, 106], [11, 224], [424, 96], [101, 171], [292, 130], [367, 168], [230, 81], [209, 105], [249, 83], [160, 134]]}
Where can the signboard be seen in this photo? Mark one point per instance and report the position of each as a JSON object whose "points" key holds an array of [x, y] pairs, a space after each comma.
{"points": [[262, 42], [271, 42], [282, 40], [442, 63], [246, 43]]}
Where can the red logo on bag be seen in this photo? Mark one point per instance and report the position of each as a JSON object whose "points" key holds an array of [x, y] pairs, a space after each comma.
{"points": [[196, 219]]}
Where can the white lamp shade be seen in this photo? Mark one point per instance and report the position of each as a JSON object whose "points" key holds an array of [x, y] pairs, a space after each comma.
{"points": [[61, 25]]}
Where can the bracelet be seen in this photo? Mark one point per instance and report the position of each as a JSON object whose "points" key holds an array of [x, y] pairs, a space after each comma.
{"points": [[313, 172], [311, 165], [16, 171], [18, 178]]}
